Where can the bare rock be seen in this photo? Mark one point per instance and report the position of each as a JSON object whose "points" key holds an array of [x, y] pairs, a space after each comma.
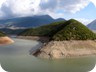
{"points": [[63, 49]]}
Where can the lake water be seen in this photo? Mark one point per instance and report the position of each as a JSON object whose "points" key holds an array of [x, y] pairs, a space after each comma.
{"points": [[16, 58]]}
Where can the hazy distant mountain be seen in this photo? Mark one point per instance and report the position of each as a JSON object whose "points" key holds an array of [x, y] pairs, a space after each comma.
{"points": [[59, 19], [28, 22], [92, 25], [11, 31], [45, 30]]}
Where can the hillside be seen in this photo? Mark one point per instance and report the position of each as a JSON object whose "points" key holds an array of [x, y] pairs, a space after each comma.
{"points": [[73, 39], [63, 30], [11, 31], [27, 22], [74, 30], [45, 30], [2, 34], [92, 25]]}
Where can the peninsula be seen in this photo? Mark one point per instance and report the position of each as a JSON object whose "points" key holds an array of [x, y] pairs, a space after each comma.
{"points": [[66, 39]]}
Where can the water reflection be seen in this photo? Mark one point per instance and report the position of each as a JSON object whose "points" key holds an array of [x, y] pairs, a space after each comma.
{"points": [[16, 58]]}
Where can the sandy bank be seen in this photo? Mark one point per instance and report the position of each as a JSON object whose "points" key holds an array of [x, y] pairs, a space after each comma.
{"points": [[64, 49], [5, 40]]}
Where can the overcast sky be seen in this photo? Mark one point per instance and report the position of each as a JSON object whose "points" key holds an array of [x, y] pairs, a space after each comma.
{"points": [[82, 10]]}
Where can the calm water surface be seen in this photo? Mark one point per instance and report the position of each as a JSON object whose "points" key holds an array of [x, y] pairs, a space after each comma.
{"points": [[16, 58]]}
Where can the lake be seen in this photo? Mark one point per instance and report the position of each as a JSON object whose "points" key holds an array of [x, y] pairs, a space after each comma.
{"points": [[17, 58]]}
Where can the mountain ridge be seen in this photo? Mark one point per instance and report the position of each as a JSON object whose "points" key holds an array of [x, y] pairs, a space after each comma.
{"points": [[28, 22], [64, 30], [92, 25]]}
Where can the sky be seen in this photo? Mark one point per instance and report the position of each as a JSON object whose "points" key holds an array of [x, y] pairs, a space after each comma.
{"points": [[82, 10]]}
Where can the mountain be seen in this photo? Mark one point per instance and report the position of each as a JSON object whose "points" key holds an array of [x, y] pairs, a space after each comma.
{"points": [[74, 30], [63, 30], [11, 31], [28, 22], [71, 39], [59, 19], [92, 25], [45, 30]]}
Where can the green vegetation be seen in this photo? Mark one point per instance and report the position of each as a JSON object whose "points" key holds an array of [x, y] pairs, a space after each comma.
{"points": [[46, 30], [8, 31], [64, 30], [74, 30], [1, 34]]}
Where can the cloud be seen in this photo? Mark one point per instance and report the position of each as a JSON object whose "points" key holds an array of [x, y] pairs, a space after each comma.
{"points": [[19, 7], [93, 1], [15, 8], [71, 6]]}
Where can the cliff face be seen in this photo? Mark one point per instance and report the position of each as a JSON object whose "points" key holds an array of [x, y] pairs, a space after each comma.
{"points": [[5, 40], [63, 49]]}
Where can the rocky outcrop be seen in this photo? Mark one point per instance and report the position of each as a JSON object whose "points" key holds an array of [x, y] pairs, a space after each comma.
{"points": [[5, 40], [63, 49]]}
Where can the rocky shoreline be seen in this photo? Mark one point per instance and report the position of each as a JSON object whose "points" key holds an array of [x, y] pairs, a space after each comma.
{"points": [[63, 49], [66, 49], [5, 40]]}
